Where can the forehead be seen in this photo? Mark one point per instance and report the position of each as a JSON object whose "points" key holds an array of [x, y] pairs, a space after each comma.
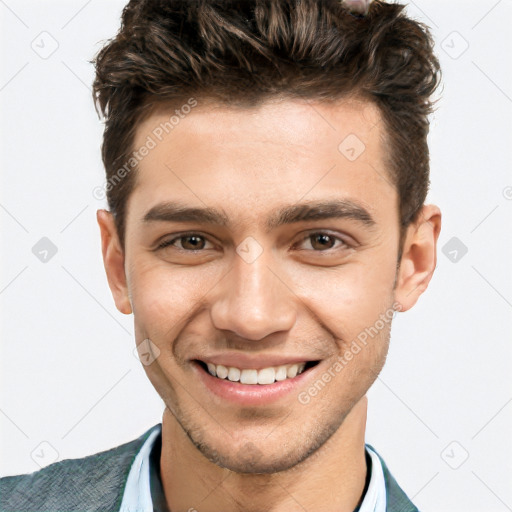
{"points": [[288, 122], [282, 150]]}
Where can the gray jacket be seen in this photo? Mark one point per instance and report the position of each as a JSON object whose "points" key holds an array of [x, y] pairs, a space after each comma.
{"points": [[96, 483]]}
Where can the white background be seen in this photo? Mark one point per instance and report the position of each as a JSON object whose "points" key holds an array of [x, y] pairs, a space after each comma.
{"points": [[69, 378]]}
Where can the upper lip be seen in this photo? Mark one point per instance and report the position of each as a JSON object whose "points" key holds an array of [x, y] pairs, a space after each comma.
{"points": [[244, 361]]}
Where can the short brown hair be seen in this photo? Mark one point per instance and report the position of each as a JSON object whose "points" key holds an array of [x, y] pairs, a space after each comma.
{"points": [[244, 52]]}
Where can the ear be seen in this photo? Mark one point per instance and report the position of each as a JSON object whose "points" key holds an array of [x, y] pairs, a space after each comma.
{"points": [[113, 260], [419, 257]]}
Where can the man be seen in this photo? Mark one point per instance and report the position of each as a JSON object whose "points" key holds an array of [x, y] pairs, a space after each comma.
{"points": [[267, 168]]}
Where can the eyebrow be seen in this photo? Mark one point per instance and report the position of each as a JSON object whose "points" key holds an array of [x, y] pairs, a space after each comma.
{"points": [[302, 212]]}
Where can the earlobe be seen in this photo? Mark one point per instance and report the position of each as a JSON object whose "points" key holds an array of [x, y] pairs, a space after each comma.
{"points": [[419, 257], [113, 261]]}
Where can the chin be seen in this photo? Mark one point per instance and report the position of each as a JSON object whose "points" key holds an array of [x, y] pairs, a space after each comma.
{"points": [[261, 464], [264, 456]]}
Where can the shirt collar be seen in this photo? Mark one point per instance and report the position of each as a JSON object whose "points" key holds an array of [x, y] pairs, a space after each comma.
{"points": [[375, 497], [144, 493], [137, 491]]}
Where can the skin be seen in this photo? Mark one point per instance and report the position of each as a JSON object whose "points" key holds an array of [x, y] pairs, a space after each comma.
{"points": [[298, 297], [358, 6]]}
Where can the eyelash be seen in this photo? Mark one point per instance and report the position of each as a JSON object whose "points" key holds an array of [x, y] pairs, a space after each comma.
{"points": [[167, 243]]}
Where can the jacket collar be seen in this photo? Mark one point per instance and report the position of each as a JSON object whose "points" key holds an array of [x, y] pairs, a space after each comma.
{"points": [[396, 499]]}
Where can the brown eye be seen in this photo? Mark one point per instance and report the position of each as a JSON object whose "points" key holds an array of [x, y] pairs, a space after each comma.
{"points": [[322, 241], [188, 242], [192, 242]]}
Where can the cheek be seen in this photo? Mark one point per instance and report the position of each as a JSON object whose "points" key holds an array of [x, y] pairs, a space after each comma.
{"points": [[164, 299], [348, 299]]}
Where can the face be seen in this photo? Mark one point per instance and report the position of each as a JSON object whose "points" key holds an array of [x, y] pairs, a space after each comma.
{"points": [[262, 239]]}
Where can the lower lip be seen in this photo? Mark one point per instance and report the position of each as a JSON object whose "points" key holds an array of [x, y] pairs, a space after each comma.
{"points": [[252, 394]]}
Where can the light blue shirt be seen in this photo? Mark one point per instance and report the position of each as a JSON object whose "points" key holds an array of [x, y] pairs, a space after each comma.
{"points": [[137, 494]]}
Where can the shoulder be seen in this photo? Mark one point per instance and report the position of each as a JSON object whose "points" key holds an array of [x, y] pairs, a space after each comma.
{"points": [[95, 482], [396, 499]]}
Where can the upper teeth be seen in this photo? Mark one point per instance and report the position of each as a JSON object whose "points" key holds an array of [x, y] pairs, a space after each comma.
{"points": [[264, 376]]}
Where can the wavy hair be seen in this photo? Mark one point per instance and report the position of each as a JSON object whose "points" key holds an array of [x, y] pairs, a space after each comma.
{"points": [[244, 52]]}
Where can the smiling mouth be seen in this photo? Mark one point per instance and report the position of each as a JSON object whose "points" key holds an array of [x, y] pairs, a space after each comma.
{"points": [[264, 376]]}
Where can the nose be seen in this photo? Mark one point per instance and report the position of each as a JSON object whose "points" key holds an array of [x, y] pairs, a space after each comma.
{"points": [[253, 300]]}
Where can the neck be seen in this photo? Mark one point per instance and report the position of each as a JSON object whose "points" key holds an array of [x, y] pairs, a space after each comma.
{"points": [[332, 478]]}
